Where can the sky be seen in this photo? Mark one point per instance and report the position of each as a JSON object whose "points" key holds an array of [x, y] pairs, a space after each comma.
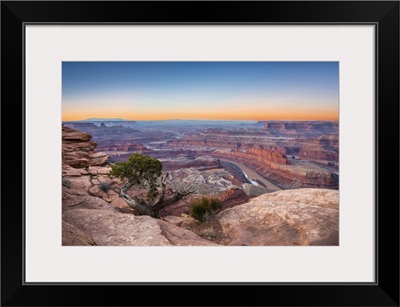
{"points": [[200, 90]]}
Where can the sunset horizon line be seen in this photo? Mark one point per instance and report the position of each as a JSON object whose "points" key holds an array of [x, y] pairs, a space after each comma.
{"points": [[198, 119]]}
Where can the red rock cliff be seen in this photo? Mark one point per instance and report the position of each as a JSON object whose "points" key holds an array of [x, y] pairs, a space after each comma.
{"points": [[77, 150]]}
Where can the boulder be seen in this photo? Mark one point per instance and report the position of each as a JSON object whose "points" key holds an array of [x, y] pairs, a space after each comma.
{"points": [[98, 159], [80, 183], [290, 217]]}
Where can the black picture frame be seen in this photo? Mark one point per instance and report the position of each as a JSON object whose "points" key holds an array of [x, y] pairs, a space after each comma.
{"points": [[383, 14]]}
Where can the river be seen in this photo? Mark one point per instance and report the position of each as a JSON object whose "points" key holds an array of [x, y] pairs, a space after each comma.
{"points": [[252, 175]]}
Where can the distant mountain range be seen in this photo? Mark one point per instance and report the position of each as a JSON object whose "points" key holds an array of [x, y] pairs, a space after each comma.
{"points": [[103, 120], [168, 122], [275, 125]]}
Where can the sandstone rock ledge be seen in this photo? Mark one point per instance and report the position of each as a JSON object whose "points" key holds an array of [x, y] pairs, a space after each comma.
{"points": [[113, 228], [110, 228], [290, 217]]}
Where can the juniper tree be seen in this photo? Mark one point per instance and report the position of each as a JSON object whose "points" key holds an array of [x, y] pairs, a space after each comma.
{"points": [[146, 173]]}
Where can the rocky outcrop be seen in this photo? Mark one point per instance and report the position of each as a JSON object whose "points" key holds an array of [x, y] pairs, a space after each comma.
{"points": [[77, 150], [93, 211], [292, 217]]}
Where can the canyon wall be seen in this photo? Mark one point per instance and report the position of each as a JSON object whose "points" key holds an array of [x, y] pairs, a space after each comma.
{"points": [[282, 173]]}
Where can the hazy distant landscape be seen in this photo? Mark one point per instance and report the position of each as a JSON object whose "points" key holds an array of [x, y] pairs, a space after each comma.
{"points": [[272, 181]]}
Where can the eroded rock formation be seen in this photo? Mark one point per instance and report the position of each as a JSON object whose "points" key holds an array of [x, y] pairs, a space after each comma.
{"points": [[77, 150]]}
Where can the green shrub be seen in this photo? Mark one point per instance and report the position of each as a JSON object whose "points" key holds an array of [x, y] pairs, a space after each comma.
{"points": [[199, 211], [215, 204], [203, 209], [105, 187]]}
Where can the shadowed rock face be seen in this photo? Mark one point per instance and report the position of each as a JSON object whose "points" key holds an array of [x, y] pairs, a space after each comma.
{"points": [[292, 217]]}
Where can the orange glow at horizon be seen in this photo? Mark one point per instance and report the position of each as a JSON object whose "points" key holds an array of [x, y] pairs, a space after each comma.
{"points": [[328, 115]]}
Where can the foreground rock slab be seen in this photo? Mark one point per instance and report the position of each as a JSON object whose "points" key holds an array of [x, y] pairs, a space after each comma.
{"points": [[290, 217], [113, 228], [107, 228]]}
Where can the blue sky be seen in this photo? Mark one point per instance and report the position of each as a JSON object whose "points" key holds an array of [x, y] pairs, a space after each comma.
{"points": [[201, 90]]}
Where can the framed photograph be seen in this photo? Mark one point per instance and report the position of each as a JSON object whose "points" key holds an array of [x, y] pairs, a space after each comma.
{"points": [[243, 147]]}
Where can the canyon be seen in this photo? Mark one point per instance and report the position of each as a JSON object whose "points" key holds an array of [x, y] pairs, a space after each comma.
{"points": [[277, 182], [287, 154]]}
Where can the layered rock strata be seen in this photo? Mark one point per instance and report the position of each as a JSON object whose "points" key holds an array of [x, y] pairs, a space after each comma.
{"points": [[294, 174]]}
